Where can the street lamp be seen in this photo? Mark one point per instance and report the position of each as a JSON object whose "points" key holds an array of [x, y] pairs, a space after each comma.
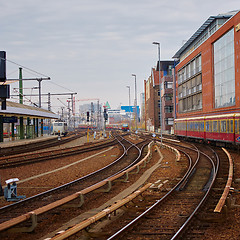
{"points": [[135, 101], [129, 103], [160, 102]]}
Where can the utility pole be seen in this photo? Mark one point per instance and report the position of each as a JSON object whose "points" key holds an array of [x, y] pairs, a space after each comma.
{"points": [[20, 86], [129, 104], [21, 127], [135, 101], [49, 109], [98, 115], [160, 89]]}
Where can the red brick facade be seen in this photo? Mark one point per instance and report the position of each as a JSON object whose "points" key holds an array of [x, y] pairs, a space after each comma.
{"points": [[207, 60]]}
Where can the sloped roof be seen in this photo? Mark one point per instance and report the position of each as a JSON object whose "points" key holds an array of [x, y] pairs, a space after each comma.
{"points": [[205, 25], [28, 111]]}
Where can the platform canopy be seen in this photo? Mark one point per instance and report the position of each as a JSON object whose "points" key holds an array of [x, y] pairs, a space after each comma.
{"points": [[21, 110]]}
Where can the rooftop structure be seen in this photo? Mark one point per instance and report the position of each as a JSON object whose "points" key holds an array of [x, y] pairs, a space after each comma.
{"points": [[210, 26], [18, 109]]}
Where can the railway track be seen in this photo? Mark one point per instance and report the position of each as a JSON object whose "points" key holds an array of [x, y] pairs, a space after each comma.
{"points": [[32, 157], [38, 145], [8, 214], [169, 216]]}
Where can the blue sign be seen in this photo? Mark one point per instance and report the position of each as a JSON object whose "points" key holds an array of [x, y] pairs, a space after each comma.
{"points": [[130, 109], [238, 139]]}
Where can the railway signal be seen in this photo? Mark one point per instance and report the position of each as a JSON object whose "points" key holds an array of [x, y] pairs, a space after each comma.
{"points": [[105, 115], [87, 116], [4, 88]]}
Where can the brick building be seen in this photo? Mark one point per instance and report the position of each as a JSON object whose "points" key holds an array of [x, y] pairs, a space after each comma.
{"points": [[208, 73], [152, 98]]}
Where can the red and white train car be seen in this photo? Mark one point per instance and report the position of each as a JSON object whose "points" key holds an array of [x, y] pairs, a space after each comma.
{"points": [[217, 128]]}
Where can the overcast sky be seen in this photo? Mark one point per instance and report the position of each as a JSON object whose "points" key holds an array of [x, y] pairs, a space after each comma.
{"points": [[93, 47]]}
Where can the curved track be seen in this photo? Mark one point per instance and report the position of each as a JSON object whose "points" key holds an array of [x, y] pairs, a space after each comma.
{"points": [[169, 216], [131, 154], [38, 145], [32, 157]]}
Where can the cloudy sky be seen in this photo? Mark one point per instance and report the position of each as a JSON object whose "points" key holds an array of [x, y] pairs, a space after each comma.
{"points": [[93, 47]]}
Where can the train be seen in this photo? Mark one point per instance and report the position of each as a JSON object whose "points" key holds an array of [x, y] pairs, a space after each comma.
{"points": [[125, 127], [222, 129], [59, 127]]}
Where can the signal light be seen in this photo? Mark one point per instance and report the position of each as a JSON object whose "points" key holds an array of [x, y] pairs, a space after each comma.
{"points": [[87, 116]]}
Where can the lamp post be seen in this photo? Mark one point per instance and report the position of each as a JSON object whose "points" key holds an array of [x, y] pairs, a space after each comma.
{"points": [[129, 104], [160, 102], [135, 101]]}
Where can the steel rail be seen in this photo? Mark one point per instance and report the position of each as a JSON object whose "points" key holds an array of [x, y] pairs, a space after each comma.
{"points": [[215, 167], [182, 181], [49, 154], [62, 186], [225, 193], [37, 145], [133, 222], [75, 229], [40, 211]]}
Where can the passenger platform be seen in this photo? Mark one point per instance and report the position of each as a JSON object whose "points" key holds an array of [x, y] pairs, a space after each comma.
{"points": [[20, 121], [19, 142]]}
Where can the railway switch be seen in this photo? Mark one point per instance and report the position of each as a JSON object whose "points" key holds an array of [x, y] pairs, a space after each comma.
{"points": [[10, 192]]}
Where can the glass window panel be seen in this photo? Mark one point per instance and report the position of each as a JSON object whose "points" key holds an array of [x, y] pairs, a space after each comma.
{"points": [[231, 126], [224, 72], [223, 126]]}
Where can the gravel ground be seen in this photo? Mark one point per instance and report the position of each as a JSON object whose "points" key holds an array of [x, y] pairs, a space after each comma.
{"points": [[51, 180], [229, 229]]}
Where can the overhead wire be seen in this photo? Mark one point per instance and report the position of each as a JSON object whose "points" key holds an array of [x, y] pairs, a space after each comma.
{"points": [[24, 67]]}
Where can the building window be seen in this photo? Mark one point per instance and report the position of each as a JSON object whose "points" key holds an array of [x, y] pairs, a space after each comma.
{"points": [[190, 86], [169, 121], [168, 84], [168, 109], [224, 71], [168, 97]]}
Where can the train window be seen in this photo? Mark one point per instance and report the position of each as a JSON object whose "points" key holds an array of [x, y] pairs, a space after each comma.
{"points": [[228, 129], [210, 126], [196, 126], [231, 126], [57, 124], [202, 127], [223, 126], [192, 126], [236, 126], [207, 126], [215, 126]]}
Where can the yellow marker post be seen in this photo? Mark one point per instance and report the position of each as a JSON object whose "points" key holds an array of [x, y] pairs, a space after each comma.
{"points": [[88, 135]]}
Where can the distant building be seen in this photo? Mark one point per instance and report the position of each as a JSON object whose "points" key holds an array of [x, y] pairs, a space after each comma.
{"points": [[152, 98], [142, 112]]}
